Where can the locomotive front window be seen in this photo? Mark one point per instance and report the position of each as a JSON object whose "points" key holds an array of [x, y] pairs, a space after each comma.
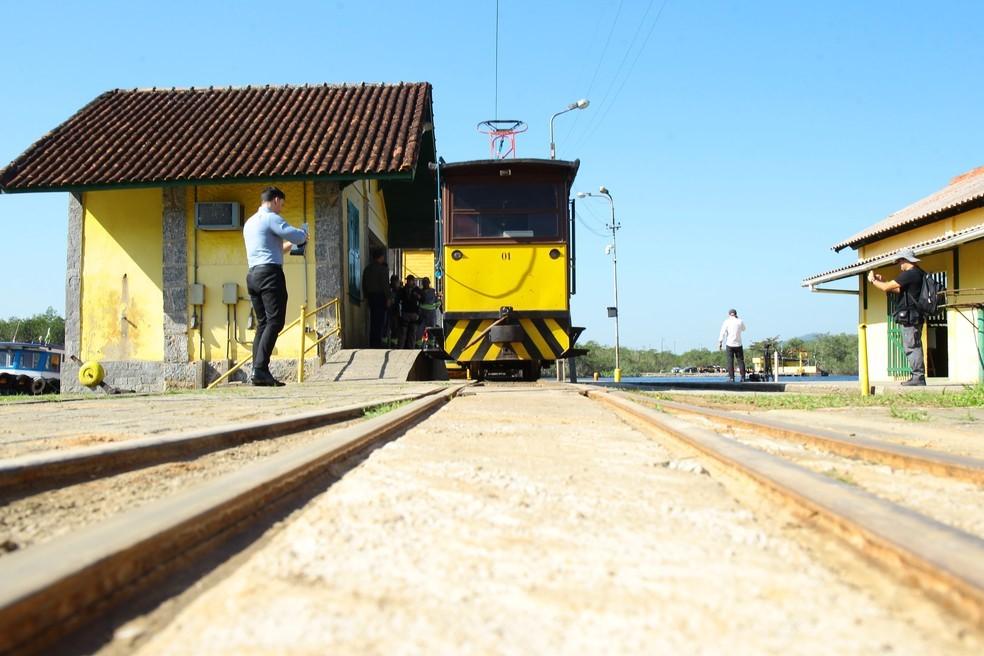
{"points": [[519, 196], [506, 211], [6, 358]]}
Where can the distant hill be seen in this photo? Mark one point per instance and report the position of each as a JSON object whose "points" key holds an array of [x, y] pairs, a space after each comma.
{"points": [[808, 338]]}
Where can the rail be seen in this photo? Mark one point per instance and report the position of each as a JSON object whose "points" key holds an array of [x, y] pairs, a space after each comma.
{"points": [[54, 588], [303, 349], [33, 473], [897, 456], [942, 561]]}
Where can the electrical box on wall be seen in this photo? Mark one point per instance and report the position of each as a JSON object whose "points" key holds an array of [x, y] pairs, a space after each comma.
{"points": [[196, 294], [230, 293], [217, 216]]}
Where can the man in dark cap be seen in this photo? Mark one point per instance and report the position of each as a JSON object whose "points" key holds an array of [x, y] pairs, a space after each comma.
{"points": [[907, 285]]}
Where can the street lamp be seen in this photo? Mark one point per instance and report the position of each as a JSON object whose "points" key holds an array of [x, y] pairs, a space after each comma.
{"points": [[603, 192], [580, 104]]}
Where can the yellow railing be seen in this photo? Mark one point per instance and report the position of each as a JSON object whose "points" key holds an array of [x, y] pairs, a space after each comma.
{"points": [[335, 329]]}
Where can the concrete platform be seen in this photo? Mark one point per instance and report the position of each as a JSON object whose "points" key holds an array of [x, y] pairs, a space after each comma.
{"points": [[695, 385], [380, 364], [835, 387]]}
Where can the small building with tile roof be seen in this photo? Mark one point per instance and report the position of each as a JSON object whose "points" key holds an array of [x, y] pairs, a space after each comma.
{"points": [[156, 295], [946, 232]]}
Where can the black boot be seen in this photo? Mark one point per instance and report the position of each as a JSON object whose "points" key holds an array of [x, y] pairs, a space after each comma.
{"points": [[265, 379]]}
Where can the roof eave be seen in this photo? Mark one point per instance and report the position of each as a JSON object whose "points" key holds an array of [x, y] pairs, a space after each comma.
{"points": [[870, 264], [939, 215], [335, 177]]}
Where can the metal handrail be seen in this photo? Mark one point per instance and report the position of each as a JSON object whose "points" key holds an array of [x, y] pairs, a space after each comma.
{"points": [[336, 330], [302, 319]]}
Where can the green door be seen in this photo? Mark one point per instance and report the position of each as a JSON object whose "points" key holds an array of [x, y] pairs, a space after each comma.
{"points": [[898, 364]]}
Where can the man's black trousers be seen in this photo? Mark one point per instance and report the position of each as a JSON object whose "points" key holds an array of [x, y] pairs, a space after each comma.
{"points": [[736, 352], [268, 292], [377, 319]]}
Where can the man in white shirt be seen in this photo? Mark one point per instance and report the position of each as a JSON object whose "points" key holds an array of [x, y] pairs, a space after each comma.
{"points": [[731, 331]]}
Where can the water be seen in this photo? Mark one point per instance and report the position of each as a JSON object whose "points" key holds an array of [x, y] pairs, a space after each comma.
{"points": [[724, 379]]}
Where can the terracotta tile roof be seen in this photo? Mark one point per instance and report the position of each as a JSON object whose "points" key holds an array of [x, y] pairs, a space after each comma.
{"points": [[934, 245], [146, 136], [963, 193]]}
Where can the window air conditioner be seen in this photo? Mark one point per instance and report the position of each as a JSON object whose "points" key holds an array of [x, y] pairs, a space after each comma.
{"points": [[217, 216]]}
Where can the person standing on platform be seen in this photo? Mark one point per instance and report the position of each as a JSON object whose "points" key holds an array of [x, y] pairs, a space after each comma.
{"points": [[428, 309], [268, 237], [409, 312], [392, 332], [375, 283], [730, 337], [907, 285]]}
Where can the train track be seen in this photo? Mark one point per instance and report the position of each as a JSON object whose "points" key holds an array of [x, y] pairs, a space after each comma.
{"points": [[899, 456], [30, 474], [55, 588], [941, 560]]}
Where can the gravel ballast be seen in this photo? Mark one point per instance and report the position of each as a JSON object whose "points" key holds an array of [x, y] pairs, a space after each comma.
{"points": [[522, 520]]}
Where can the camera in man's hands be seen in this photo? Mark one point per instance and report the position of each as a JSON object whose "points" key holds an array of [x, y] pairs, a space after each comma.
{"points": [[298, 249]]}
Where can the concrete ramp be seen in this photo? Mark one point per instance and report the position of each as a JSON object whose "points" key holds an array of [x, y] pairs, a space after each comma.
{"points": [[380, 364]]}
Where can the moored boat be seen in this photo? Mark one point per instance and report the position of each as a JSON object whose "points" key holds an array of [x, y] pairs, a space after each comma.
{"points": [[30, 368]]}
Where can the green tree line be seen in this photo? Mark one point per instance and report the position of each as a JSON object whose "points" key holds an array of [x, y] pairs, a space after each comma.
{"points": [[835, 354], [47, 326]]}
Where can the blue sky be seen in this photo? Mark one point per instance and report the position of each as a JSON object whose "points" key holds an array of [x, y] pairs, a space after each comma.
{"points": [[740, 140]]}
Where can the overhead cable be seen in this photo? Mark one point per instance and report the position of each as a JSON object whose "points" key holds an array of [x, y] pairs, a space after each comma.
{"points": [[604, 113], [601, 59]]}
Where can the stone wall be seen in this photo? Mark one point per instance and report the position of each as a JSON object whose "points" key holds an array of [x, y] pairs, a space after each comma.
{"points": [[175, 275], [136, 376], [73, 296], [329, 252], [285, 370]]}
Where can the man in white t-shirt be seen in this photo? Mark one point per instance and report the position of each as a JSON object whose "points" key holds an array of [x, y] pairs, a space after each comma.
{"points": [[731, 331]]}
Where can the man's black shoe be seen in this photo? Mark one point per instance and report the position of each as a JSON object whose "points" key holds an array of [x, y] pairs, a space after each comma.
{"points": [[915, 382], [265, 380]]}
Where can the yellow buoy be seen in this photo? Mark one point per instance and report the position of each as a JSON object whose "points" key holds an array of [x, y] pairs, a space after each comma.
{"points": [[91, 374]]}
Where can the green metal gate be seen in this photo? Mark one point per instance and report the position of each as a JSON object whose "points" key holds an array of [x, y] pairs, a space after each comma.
{"points": [[898, 364]]}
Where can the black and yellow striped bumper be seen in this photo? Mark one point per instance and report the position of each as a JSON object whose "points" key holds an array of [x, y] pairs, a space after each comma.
{"points": [[543, 338]]}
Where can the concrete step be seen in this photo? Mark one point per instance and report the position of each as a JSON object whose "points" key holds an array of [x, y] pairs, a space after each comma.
{"points": [[379, 364]]}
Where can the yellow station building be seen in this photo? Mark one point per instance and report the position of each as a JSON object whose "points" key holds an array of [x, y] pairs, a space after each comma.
{"points": [[160, 182], [946, 231]]}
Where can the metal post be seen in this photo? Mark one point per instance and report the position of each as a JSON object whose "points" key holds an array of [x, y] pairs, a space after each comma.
{"points": [[580, 104], [863, 378], [775, 365], [300, 357], [614, 228], [553, 147], [980, 342]]}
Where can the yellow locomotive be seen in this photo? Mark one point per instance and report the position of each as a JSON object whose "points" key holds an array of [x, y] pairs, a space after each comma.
{"points": [[507, 262]]}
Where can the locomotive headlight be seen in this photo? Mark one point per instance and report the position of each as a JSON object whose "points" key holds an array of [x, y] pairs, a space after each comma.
{"points": [[456, 255], [554, 253]]}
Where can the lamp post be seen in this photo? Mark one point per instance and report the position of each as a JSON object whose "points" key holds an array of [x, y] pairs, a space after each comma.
{"points": [[603, 192], [580, 104]]}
